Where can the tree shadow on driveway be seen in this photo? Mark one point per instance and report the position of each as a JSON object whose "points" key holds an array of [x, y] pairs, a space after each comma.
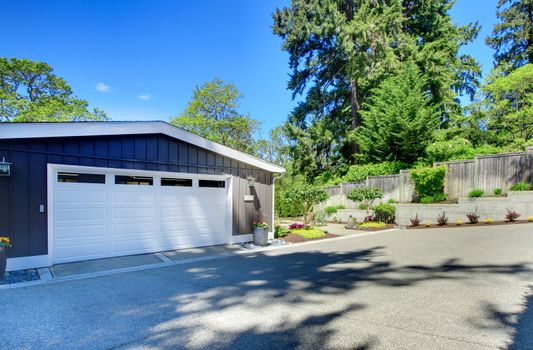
{"points": [[276, 300], [296, 300], [519, 322]]}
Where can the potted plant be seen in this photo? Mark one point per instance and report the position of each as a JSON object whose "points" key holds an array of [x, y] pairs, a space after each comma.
{"points": [[4, 244], [260, 233]]}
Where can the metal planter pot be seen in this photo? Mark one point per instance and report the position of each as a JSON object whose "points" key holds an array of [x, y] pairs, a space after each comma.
{"points": [[2, 262], [260, 236]]}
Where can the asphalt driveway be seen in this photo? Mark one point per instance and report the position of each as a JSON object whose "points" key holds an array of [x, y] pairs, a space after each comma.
{"points": [[458, 288]]}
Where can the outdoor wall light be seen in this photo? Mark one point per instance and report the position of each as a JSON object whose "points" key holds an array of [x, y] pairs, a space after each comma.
{"points": [[5, 168], [251, 181]]}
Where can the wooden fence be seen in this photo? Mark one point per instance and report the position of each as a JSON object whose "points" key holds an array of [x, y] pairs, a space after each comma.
{"points": [[484, 172]]}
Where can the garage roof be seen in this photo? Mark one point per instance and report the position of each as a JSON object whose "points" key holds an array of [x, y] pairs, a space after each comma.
{"points": [[72, 129]]}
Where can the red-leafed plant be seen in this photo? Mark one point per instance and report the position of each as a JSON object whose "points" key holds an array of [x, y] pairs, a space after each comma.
{"points": [[415, 221], [442, 219], [296, 225], [473, 218], [511, 215]]}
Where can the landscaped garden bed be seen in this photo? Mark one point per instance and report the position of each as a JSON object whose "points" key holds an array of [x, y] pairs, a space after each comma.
{"points": [[294, 238], [467, 224], [374, 226], [297, 233]]}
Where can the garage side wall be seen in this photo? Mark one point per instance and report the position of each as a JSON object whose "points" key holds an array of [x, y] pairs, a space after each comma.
{"points": [[25, 190]]}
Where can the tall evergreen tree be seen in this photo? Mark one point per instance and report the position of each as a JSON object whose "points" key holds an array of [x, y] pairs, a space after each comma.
{"points": [[339, 50], [512, 37], [399, 119]]}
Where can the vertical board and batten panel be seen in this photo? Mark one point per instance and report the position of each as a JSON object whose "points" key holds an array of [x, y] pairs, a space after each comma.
{"points": [[5, 198], [128, 152], [459, 178], [87, 149], [115, 152], [162, 154], [499, 171], [20, 194], [25, 190], [72, 146], [101, 150], [37, 197]]}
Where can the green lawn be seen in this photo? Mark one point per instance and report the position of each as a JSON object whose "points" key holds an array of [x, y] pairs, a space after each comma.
{"points": [[309, 232]]}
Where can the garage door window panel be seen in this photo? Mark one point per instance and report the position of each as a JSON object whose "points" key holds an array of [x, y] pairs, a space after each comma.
{"points": [[176, 182], [212, 183], [81, 178], [134, 180]]}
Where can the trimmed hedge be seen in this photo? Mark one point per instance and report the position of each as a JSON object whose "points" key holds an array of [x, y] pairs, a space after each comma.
{"points": [[429, 182], [385, 212]]}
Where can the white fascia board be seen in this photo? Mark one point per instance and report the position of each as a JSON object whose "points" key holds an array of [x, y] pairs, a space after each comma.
{"points": [[42, 130]]}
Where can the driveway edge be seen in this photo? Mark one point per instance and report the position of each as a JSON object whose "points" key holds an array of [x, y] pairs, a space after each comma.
{"points": [[165, 263]]}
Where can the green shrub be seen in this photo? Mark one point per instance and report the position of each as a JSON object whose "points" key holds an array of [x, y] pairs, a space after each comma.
{"points": [[366, 195], [331, 209], [392, 201], [429, 182], [476, 192], [361, 172], [285, 208], [427, 200], [304, 197], [439, 197], [385, 212], [457, 148], [498, 192], [280, 231], [433, 199], [521, 186]]}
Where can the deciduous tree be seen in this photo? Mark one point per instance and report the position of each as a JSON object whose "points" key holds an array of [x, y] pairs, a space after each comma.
{"points": [[31, 92], [213, 113]]}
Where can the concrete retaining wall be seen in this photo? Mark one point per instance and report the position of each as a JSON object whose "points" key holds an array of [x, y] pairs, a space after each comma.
{"points": [[343, 214], [486, 207]]}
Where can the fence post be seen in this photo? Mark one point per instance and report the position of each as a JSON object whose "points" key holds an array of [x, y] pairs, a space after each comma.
{"points": [[528, 174], [475, 171], [403, 185], [341, 193]]}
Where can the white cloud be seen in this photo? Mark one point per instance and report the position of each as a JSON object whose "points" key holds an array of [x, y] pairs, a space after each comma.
{"points": [[144, 97], [103, 87]]}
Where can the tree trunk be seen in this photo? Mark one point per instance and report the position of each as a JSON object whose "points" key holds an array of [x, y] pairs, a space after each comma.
{"points": [[355, 112]]}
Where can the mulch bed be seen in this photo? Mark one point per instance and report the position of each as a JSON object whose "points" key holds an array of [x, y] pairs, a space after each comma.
{"points": [[292, 238], [466, 224]]}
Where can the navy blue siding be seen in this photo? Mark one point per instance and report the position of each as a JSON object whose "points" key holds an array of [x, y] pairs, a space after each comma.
{"points": [[26, 188]]}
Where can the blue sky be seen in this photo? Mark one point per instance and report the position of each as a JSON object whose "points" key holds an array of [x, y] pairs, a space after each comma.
{"points": [[139, 60]]}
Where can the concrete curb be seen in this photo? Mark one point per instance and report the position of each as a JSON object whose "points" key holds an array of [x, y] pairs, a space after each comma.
{"points": [[47, 278]]}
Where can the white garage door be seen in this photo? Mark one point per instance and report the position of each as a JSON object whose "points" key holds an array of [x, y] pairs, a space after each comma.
{"points": [[97, 213]]}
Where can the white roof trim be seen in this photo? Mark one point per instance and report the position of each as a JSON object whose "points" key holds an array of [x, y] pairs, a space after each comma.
{"points": [[41, 130]]}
